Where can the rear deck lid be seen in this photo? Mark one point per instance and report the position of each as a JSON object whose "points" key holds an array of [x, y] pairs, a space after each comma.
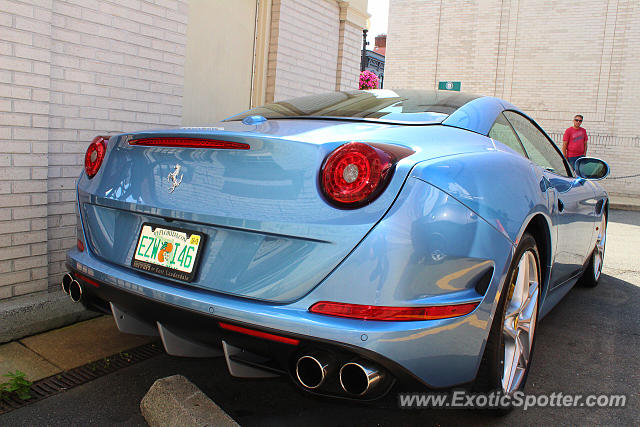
{"points": [[269, 232]]}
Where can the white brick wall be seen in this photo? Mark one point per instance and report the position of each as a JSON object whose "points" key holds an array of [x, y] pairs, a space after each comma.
{"points": [[24, 119], [552, 62], [303, 57], [70, 70]]}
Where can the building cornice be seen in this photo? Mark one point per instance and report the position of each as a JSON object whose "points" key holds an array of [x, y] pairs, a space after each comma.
{"points": [[352, 15]]}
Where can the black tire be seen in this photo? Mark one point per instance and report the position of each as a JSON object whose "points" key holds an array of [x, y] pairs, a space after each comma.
{"points": [[593, 271], [490, 372]]}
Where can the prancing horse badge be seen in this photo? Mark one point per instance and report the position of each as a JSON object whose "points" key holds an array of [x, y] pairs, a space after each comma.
{"points": [[172, 178]]}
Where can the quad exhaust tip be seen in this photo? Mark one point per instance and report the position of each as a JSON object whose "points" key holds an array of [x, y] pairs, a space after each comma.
{"points": [[358, 378], [75, 291], [66, 283], [311, 371]]}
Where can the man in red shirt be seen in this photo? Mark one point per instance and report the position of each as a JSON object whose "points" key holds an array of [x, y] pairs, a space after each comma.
{"points": [[574, 142]]}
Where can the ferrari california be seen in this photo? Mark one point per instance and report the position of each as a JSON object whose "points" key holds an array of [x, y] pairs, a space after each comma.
{"points": [[351, 241]]}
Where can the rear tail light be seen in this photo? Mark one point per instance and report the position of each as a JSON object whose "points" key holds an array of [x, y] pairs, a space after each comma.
{"points": [[94, 155], [354, 174], [375, 312]]}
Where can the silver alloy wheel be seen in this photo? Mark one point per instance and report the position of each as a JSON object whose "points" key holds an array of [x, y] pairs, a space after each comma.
{"points": [[598, 253], [520, 322]]}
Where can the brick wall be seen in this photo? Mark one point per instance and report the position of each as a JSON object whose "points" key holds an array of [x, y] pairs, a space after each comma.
{"points": [[70, 70], [552, 62], [303, 55], [25, 32]]}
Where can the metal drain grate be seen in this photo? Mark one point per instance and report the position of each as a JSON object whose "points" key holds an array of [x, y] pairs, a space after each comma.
{"points": [[80, 375]]}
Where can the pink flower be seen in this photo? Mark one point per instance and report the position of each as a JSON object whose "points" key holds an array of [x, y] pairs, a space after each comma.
{"points": [[368, 80]]}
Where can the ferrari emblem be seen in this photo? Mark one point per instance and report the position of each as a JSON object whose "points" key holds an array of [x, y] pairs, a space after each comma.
{"points": [[173, 179]]}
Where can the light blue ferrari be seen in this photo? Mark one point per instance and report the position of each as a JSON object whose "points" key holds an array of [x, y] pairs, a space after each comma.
{"points": [[352, 241]]}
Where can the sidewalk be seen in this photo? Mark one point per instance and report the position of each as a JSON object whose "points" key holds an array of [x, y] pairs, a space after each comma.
{"points": [[85, 351], [49, 353]]}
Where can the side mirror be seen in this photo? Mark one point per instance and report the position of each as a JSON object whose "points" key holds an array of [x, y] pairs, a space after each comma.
{"points": [[591, 168]]}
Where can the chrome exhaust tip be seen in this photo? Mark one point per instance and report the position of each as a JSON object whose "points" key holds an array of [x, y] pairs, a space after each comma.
{"points": [[311, 371], [66, 282], [358, 379], [75, 291]]}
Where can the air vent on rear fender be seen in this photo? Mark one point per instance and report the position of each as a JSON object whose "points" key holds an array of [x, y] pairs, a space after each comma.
{"points": [[190, 143]]}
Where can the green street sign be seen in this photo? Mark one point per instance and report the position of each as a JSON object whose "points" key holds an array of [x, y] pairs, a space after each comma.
{"points": [[449, 86]]}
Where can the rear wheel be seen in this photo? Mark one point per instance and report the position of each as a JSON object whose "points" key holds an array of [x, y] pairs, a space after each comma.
{"points": [[507, 357], [592, 273]]}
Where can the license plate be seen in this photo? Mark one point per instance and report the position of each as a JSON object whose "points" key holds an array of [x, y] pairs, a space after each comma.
{"points": [[171, 252]]}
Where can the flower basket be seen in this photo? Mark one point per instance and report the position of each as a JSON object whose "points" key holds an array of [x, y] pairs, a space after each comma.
{"points": [[368, 80]]}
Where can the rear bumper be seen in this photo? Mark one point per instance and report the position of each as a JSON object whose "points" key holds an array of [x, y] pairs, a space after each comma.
{"points": [[274, 356], [437, 353]]}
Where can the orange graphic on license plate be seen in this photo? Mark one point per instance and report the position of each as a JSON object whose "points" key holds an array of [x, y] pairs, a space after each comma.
{"points": [[167, 248]]}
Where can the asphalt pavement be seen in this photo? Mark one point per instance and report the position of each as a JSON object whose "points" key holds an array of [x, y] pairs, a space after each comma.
{"points": [[587, 345]]}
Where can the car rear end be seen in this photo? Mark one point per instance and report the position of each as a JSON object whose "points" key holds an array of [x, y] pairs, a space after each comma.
{"points": [[290, 247]]}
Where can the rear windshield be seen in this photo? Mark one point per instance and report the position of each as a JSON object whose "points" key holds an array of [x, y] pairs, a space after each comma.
{"points": [[393, 106]]}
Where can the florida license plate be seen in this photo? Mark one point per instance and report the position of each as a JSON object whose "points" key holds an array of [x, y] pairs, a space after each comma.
{"points": [[171, 252]]}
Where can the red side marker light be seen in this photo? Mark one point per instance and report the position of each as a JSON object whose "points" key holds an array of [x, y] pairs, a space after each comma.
{"points": [[80, 245], [259, 334], [397, 314]]}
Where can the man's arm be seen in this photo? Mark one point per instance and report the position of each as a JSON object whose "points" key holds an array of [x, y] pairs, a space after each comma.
{"points": [[586, 138], [564, 148]]}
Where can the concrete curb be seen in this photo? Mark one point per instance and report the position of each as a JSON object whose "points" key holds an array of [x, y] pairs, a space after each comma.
{"points": [[624, 202], [32, 314], [175, 401]]}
